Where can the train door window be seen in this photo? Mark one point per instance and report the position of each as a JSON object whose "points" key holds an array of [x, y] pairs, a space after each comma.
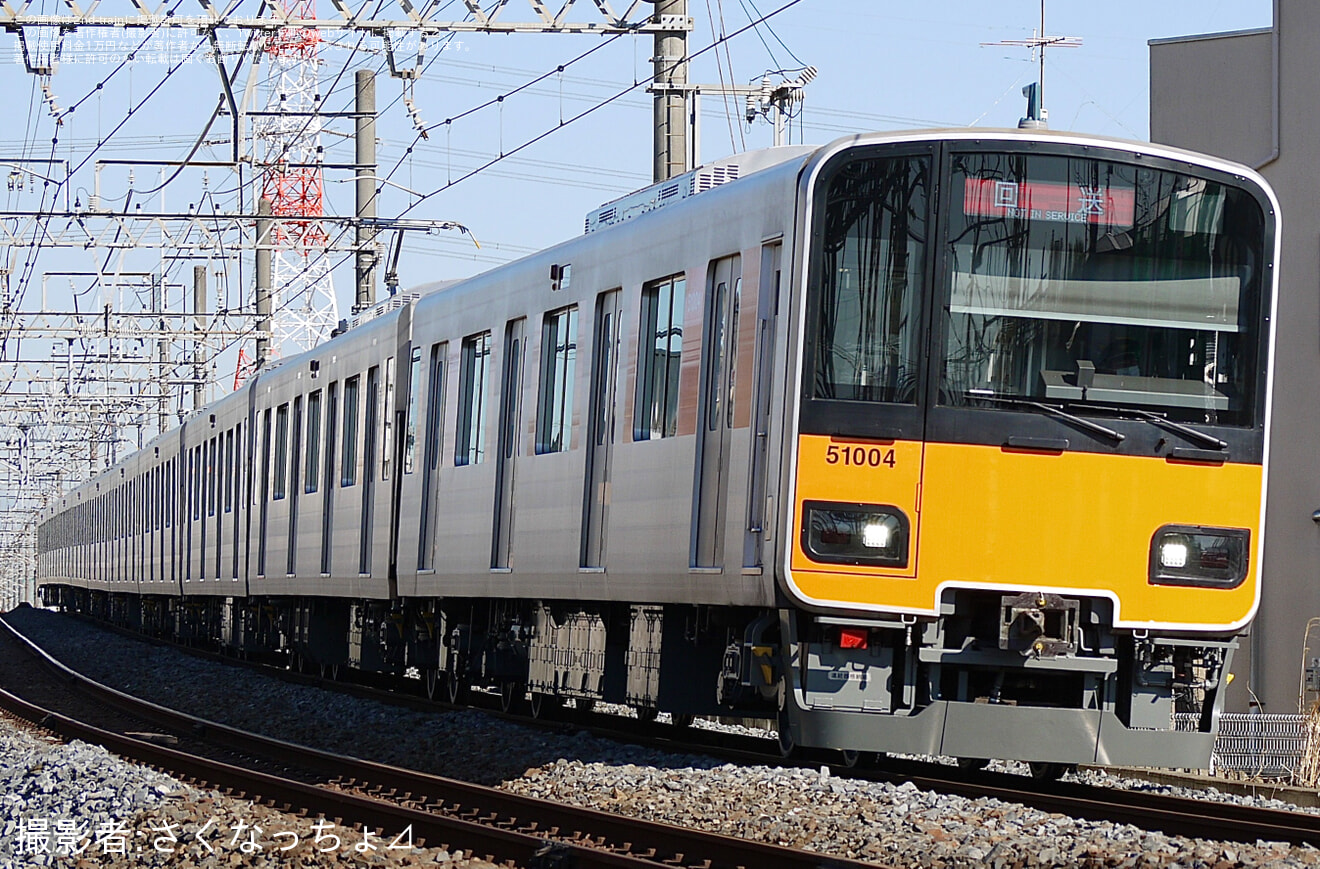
{"points": [[763, 387], [348, 467], [294, 465], [234, 493], [718, 364], [313, 465], [660, 345], [435, 408], [327, 502], [474, 369], [600, 432], [387, 421], [507, 455], [410, 423], [281, 452], [217, 494], [265, 491], [369, 424], [554, 417], [189, 498]]}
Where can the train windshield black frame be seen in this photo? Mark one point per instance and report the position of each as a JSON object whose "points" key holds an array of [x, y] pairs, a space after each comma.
{"points": [[1078, 280], [868, 279]]}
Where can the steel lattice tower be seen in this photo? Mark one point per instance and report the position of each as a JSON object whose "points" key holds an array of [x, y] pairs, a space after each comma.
{"points": [[303, 299]]}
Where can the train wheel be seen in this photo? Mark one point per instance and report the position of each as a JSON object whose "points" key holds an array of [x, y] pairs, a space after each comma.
{"points": [[513, 694], [432, 677], [1047, 771], [848, 757], [544, 705], [971, 764], [647, 714], [683, 719], [330, 672], [456, 687]]}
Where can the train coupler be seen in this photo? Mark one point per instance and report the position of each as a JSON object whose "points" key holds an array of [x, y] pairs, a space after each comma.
{"points": [[1038, 624]]}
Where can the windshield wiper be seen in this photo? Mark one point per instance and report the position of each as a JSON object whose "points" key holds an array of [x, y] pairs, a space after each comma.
{"points": [[1048, 410], [1163, 422]]}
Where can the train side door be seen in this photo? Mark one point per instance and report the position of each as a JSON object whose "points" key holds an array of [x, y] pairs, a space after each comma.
{"points": [[715, 417], [767, 300], [600, 428], [510, 425]]}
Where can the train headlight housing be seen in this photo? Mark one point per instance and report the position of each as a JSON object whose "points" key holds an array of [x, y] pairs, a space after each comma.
{"points": [[837, 533], [1199, 556]]}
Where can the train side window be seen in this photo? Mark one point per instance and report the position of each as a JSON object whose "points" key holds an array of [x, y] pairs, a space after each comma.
{"points": [[660, 345], [348, 467], [195, 472], [410, 424], [313, 442], [554, 418], [229, 470], [474, 370], [281, 451], [212, 477]]}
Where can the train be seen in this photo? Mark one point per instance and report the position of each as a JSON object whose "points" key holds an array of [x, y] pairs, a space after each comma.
{"points": [[945, 442]]}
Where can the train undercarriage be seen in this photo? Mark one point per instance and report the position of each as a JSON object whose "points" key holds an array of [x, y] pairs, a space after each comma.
{"points": [[1031, 676]]}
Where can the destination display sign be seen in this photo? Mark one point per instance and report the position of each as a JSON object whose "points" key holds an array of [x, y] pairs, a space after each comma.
{"points": [[1047, 200]]}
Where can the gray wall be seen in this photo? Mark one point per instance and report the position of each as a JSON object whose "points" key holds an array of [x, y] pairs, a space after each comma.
{"points": [[1219, 94]]}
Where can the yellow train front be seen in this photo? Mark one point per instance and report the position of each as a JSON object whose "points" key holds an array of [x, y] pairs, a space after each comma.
{"points": [[1028, 446]]}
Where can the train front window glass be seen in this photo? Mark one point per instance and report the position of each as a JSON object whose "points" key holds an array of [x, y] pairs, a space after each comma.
{"points": [[281, 451], [474, 371], [659, 362], [313, 462], [867, 286], [554, 420], [1086, 282]]}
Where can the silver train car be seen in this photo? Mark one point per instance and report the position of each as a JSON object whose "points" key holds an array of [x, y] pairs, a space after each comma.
{"points": [[948, 442]]}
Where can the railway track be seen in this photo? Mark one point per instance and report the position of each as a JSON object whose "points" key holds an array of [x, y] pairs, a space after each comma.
{"points": [[1172, 815], [504, 827]]}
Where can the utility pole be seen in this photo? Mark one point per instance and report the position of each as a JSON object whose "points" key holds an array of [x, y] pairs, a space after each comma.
{"points": [[670, 86], [264, 241], [365, 153], [199, 333]]}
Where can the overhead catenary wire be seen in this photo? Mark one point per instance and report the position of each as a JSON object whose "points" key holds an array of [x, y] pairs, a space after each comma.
{"points": [[343, 232]]}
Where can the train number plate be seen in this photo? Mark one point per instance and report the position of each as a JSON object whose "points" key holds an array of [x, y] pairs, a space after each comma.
{"points": [[856, 455]]}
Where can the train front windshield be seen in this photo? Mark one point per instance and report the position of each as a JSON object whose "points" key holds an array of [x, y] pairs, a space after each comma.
{"points": [[1068, 280], [1090, 282]]}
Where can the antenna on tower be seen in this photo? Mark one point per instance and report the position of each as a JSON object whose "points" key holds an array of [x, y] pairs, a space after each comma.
{"points": [[1037, 115]]}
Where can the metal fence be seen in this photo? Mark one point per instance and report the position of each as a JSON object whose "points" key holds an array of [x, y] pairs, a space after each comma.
{"points": [[1265, 745]]}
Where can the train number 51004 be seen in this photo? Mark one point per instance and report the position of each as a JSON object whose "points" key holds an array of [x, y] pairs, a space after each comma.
{"points": [[871, 457]]}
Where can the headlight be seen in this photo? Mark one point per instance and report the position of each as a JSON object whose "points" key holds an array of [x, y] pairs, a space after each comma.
{"points": [[1195, 555], [855, 534]]}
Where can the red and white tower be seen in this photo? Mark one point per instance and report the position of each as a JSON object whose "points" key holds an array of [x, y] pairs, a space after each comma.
{"points": [[303, 298]]}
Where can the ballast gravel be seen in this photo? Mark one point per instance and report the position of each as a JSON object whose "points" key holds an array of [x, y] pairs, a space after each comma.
{"points": [[896, 825], [79, 805]]}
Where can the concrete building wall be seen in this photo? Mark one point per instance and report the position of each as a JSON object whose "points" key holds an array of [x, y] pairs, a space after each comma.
{"points": [[1250, 96]]}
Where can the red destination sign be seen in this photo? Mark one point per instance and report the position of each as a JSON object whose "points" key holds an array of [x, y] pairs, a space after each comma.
{"points": [[1043, 200]]}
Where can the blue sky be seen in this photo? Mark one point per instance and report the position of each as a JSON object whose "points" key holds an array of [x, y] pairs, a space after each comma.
{"points": [[881, 66]]}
